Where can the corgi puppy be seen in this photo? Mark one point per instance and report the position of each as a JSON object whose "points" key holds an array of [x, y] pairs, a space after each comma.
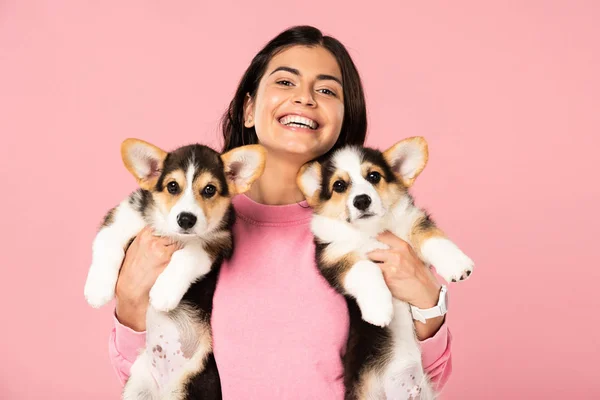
{"points": [[357, 193], [184, 195]]}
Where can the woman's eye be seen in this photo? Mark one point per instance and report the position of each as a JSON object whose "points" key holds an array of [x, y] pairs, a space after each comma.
{"points": [[339, 186], [374, 177], [327, 92], [285, 83], [209, 191], [173, 187]]}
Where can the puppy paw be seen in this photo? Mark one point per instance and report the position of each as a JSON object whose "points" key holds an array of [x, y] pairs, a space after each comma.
{"points": [[377, 308], [449, 261], [165, 294], [100, 286], [101, 281], [455, 267]]}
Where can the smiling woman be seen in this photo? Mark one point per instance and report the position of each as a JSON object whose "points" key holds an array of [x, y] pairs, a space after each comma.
{"points": [[307, 98], [280, 331]]}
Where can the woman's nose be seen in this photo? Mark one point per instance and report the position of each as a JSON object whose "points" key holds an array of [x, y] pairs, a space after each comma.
{"points": [[304, 97]]}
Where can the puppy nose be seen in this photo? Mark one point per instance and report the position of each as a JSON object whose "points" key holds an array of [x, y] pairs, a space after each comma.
{"points": [[362, 202], [186, 220]]}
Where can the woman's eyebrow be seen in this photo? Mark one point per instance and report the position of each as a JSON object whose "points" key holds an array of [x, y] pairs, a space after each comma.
{"points": [[321, 77]]}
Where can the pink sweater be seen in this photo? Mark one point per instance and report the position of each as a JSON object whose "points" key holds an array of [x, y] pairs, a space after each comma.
{"points": [[279, 329]]}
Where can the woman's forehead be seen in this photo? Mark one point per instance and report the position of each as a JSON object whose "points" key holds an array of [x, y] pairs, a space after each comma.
{"points": [[310, 61]]}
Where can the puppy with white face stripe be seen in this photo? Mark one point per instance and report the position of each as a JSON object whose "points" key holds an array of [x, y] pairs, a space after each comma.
{"points": [[184, 195], [357, 193]]}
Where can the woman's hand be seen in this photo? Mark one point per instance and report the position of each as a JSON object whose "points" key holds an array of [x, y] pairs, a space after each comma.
{"points": [[145, 259], [408, 279]]}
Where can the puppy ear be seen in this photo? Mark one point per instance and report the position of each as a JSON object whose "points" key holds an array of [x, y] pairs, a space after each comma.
{"points": [[243, 166], [144, 160], [309, 182], [407, 158]]}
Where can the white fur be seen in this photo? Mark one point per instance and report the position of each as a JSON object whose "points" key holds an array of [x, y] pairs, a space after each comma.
{"points": [[407, 158], [311, 182], [188, 203], [249, 161], [186, 266], [142, 382], [108, 251], [141, 157], [449, 261], [364, 281], [349, 160]]}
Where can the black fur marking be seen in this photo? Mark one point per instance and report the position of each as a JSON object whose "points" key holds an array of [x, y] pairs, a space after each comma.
{"points": [[426, 223], [109, 217], [376, 157], [203, 158], [367, 154], [367, 344], [140, 200], [207, 384]]}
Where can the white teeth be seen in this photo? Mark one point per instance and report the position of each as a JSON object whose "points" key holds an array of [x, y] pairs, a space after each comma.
{"points": [[296, 120]]}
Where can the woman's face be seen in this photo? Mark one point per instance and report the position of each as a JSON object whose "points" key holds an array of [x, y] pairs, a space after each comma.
{"points": [[298, 108]]}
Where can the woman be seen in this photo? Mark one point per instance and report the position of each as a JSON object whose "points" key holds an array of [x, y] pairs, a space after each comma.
{"points": [[279, 329]]}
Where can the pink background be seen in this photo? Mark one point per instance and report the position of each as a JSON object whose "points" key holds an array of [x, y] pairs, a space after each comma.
{"points": [[506, 94]]}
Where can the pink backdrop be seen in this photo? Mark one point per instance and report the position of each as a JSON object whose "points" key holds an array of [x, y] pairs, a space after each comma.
{"points": [[507, 96]]}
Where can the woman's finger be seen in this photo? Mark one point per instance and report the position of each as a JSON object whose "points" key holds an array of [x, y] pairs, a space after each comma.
{"points": [[392, 240], [379, 255]]}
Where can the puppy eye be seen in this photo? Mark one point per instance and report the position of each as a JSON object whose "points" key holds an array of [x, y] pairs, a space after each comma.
{"points": [[339, 186], [173, 187], [209, 191], [374, 177]]}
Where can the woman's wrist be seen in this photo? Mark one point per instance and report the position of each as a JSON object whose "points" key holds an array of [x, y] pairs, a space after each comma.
{"points": [[131, 312], [429, 294]]}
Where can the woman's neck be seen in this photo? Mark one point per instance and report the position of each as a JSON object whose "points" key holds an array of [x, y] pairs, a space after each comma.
{"points": [[277, 185]]}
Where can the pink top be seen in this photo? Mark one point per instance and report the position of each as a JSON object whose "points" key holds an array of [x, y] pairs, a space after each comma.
{"points": [[279, 328]]}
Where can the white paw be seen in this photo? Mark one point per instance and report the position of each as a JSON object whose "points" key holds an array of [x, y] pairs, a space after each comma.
{"points": [[102, 277], [166, 293], [455, 267], [100, 285], [449, 261], [377, 308]]}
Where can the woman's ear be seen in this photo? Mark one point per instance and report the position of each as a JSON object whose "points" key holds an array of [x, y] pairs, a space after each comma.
{"points": [[248, 111]]}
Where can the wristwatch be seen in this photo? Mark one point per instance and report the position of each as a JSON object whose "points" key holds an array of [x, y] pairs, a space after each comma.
{"points": [[437, 311]]}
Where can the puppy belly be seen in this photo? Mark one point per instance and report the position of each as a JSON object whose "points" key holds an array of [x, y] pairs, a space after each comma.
{"points": [[166, 355], [404, 377]]}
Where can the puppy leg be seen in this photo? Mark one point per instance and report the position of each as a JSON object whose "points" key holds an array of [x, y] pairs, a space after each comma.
{"points": [[186, 266], [436, 249], [141, 384], [364, 281], [108, 251]]}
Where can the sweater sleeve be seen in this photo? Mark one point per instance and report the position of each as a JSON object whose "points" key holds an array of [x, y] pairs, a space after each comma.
{"points": [[436, 355], [124, 346]]}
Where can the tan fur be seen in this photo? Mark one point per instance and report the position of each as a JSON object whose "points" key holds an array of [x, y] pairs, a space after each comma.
{"points": [[313, 200], [218, 244], [196, 345], [126, 148], [228, 159], [419, 235], [419, 141], [389, 192], [165, 200], [215, 207]]}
